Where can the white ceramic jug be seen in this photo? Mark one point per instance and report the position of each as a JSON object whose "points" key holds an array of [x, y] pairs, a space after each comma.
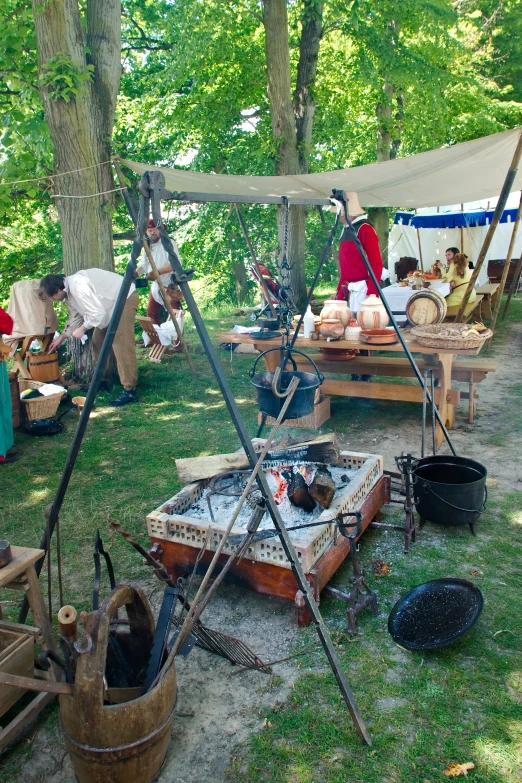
{"points": [[336, 309], [372, 313]]}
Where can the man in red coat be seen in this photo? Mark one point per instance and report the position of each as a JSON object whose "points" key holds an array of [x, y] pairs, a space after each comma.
{"points": [[353, 268], [6, 420]]}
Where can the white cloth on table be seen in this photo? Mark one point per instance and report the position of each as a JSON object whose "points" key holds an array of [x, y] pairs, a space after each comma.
{"points": [[161, 259], [91, 296], [397, 296], [167, 331]]}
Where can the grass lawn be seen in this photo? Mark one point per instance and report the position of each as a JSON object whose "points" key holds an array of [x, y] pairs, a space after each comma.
{"points": [[462, 704]]}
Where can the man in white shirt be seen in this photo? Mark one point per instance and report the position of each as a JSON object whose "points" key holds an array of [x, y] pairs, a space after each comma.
{"points": [[164, 268], [90, 296]]}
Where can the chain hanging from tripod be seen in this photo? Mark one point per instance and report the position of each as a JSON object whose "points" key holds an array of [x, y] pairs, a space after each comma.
{"points": [[286, 292]]}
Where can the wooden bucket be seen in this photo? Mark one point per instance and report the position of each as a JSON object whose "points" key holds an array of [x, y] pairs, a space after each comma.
{"points": [[44, 367], [426, 307], [16, 404], [125, 740]]}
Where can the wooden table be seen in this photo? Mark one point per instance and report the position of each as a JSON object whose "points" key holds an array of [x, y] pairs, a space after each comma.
{"points": [[440, 359]]}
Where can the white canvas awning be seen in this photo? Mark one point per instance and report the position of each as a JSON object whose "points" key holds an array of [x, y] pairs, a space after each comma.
{"points": [[450, 175]]}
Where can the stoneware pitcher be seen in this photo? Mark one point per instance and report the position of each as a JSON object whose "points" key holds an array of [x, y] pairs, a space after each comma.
{"points": [[372, 313]]}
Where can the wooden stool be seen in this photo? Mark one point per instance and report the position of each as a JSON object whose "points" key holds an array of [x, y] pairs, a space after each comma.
{"points": [[157, 350], [20, 574]]}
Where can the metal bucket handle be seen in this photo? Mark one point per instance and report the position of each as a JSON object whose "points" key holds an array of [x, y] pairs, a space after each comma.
{"points": [[320, 375], [427, 488]]}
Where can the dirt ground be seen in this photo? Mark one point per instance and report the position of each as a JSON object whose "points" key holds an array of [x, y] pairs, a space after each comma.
{"points": [[215, 711]]}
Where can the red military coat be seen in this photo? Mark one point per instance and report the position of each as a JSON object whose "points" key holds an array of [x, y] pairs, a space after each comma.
{"points": [[6, 322], [353, 268]]}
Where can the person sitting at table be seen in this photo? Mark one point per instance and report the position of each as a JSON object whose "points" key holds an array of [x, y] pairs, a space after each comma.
{"points": [[351, 263], [458, 276]]}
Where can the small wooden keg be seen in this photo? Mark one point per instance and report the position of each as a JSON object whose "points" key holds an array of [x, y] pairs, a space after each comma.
{"points": [[44, 367], [16, 404], [426, 307]]}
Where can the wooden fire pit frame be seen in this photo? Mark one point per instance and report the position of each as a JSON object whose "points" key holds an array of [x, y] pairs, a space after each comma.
{"points": [[274, 580]]}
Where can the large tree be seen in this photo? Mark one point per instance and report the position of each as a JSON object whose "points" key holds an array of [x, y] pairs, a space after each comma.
{"points": [[79, 74], [292, 115]]}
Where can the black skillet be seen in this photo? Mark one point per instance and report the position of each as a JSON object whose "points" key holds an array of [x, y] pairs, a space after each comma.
{"points": [[435, 613], [52, 426]]}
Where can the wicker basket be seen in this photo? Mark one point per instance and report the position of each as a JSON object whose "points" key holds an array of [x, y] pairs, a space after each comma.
{"points": [[430, 335], [39, 407]]}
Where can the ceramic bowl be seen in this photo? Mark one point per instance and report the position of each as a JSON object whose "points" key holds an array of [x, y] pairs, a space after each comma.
{"points": [[338, 354], [379, 336]]}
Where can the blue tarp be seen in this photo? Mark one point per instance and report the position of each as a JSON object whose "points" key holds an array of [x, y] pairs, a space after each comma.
{"points": [[479, 217]]}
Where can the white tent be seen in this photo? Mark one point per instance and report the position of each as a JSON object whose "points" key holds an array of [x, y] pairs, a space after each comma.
{"points": [[453, 226], [457, 174]]}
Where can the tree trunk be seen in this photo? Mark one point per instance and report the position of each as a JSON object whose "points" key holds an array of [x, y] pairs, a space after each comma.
{"points": [[241, 281], [292, 120], [388, 143], [81, 122]]}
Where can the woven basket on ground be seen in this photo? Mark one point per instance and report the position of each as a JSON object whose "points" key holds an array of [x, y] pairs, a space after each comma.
{"points": [[449, 336], [39, 407]]}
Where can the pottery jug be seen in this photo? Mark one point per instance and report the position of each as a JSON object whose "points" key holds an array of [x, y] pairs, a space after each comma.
{"points": [[336, 309], [332, 328], [372, 313]]}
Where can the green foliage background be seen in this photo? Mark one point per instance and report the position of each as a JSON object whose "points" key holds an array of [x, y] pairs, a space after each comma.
{"points": [[194, 94]]}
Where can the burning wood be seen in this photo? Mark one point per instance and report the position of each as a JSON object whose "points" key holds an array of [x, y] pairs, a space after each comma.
{"points": [[298, 492], [322, 488]]}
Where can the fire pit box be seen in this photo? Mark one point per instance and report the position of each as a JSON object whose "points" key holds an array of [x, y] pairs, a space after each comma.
{"points": [[169, 524]]}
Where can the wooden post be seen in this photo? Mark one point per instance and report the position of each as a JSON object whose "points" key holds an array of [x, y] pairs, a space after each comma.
{"points": [[166, 300], [506, 267], [499, 209], [462, 232], [420, 247], [420, 250], [514, 285], [262, 280]]}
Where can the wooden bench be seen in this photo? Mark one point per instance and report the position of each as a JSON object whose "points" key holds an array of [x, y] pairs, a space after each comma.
{"points": [[468, 311], [467, 370], [489, 292]]}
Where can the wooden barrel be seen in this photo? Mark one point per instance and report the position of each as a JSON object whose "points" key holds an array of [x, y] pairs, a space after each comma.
{"points": [[16, 404], [126, 740], [426, 307], [43, 367]]}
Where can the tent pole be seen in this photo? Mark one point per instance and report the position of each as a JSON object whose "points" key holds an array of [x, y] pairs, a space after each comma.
{"points": [[255, 262], [514, 285], [506, 268], [151, 185], [499, 209]]}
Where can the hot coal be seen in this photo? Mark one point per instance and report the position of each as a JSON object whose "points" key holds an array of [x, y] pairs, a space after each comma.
{"points": [[223, 506]]}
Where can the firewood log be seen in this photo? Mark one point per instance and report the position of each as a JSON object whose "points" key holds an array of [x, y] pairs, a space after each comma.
{"points": [[324, 449], [298, 492], [322, 488]]}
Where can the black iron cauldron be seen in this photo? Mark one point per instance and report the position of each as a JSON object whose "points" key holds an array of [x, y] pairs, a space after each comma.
{"points": [[268, 399], [435, 613], [450, 490]]}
